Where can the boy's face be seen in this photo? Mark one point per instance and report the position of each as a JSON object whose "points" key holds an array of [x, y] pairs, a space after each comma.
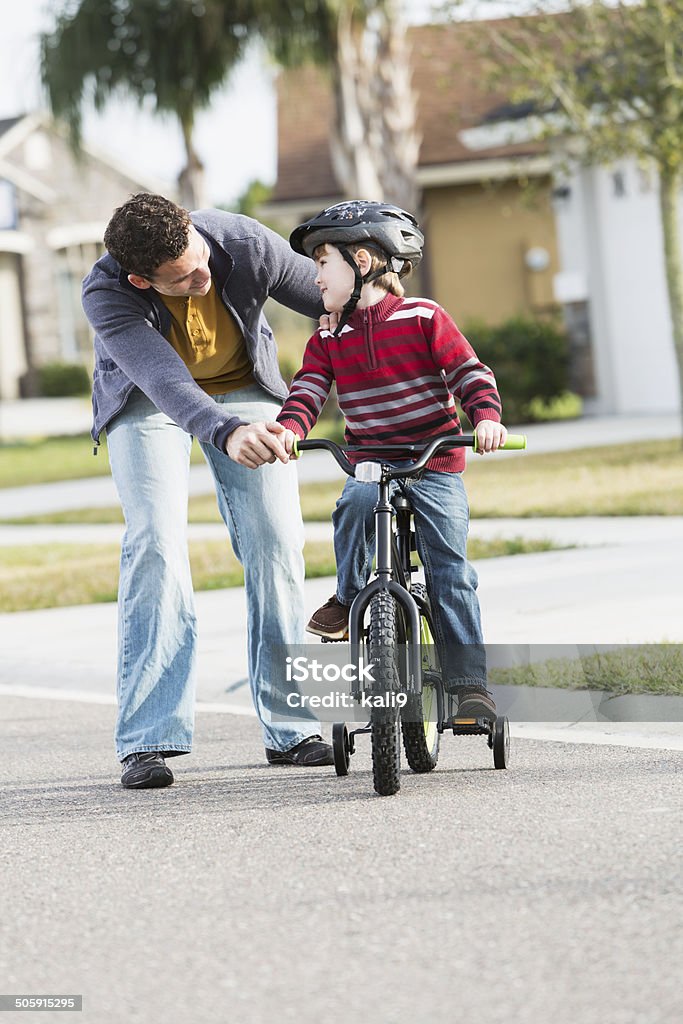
{"points": [[335, 278]]}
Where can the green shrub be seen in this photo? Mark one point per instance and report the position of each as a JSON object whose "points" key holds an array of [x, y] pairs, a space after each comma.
{"points": [[59, 380], [567, 406], [530, 360]]}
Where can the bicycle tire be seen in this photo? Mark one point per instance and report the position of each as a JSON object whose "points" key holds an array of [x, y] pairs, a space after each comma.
{"points": [[384, 720], [420, 716]]}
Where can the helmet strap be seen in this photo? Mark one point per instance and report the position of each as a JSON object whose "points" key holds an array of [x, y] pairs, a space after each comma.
{"points": [[360, 280]]}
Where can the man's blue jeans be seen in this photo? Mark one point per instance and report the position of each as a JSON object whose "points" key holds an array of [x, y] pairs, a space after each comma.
{"points": [[150, 459], [441, 526]]}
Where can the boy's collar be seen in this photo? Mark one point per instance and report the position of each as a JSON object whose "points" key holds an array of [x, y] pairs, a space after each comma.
{"points": [[374, 314]]}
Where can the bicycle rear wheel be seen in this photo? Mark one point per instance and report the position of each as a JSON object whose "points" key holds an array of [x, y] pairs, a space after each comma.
{"points": [[420, 716], [384, 718]]}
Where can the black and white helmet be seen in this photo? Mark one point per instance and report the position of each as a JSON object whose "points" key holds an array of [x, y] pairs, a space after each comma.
{"points": [[390, 228]]}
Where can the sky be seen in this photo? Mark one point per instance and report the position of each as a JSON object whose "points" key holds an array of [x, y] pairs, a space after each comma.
{"points": [[236, 137]]}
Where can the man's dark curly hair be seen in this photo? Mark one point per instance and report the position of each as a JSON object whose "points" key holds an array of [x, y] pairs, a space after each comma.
{"points": [[145, 232]]}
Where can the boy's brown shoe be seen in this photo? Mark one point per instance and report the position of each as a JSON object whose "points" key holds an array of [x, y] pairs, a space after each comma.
{"points": [[332, 620], [475, 702]]}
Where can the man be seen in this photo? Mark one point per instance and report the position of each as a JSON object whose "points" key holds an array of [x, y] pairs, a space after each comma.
{"points": [[182, 349]]}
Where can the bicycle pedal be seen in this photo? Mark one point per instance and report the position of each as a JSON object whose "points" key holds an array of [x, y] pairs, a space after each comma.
{"points": [[334, 639], [469, 726]]}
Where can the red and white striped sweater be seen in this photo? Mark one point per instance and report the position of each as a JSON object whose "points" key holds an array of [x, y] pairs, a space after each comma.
{"points": [[397, 366]]}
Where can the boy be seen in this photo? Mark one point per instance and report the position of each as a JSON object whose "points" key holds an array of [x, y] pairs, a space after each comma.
{"points": [[397, 363]]}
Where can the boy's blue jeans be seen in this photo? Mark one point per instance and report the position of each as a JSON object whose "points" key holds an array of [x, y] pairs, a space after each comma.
{"points": [[441, 525], [150, 459]]}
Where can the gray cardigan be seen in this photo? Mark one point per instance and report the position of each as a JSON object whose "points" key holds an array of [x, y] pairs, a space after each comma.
{"points": [[248, 262]]}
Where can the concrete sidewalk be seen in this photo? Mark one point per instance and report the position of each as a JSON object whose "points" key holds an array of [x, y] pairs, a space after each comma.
{"points": [[578, 531], [45, 417], [317, 466]]}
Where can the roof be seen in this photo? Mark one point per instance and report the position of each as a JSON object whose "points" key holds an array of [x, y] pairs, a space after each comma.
{"points": [[451, 86], [14, 130]]}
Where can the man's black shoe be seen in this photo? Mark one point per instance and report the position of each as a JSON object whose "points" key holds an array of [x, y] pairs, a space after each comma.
{"points": [[145, 770], [312, 752]]}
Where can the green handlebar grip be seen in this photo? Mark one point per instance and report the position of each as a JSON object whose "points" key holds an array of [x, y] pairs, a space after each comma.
{"points": [[296, 454], [513, 443]]}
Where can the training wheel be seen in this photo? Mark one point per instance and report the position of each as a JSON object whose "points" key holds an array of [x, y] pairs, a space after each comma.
{"points": [[501, 742], [341, 748]]}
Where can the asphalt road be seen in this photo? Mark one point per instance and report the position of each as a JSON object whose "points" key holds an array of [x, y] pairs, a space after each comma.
{"points": [[253, 894]]}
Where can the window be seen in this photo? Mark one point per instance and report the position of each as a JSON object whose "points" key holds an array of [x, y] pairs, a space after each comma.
{"points": [[73, 263]]}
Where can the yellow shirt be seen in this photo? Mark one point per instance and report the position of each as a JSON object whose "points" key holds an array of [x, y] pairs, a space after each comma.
{"points": [[209, 342]]}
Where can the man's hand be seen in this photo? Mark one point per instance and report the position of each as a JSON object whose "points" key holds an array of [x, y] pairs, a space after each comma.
{"points": [[490, 435], [257, 443]]}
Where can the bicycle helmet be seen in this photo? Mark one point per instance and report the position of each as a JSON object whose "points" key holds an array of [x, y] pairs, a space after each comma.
{"points": [[388, 228]]}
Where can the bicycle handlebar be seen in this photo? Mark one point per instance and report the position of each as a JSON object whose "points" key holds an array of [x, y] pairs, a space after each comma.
{"points": [[514, 442]]}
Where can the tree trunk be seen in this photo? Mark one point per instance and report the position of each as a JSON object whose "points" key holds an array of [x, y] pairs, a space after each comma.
{"points": [[395, 103], [375, 146], [669, 188], [191, 182], [352, 156]]}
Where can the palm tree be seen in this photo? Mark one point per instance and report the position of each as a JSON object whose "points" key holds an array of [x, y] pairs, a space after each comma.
{"points": [[179, 51], [174, 51]]}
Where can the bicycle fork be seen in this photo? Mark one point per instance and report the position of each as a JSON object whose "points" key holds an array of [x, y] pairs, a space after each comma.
{"points": [[383, 512]]}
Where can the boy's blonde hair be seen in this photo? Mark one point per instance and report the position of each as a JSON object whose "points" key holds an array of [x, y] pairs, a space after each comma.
{"points": [[389, 282]]}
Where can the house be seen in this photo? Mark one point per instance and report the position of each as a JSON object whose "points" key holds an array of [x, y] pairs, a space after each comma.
{"points": [[53, 212], [487, 235], [589, 244]]}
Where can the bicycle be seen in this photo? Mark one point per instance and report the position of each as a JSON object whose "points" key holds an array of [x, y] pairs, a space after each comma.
{"points": [[408, 695]]}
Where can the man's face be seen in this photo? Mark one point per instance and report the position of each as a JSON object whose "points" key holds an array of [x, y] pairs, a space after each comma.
{"points": [[188, 275]]}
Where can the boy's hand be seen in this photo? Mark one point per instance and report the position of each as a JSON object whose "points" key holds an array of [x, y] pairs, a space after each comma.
{"points": [[256, 443], [490, 435], [287, 437]]}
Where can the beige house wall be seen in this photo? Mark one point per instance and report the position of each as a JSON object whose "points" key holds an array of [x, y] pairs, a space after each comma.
{"points": [[62, 206], [478, 237], [12, 350], [80, 193]]}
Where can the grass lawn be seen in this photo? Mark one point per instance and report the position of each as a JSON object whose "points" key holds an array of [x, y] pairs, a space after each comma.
{"points": [[49, 459], [646, 668], [55, 575], [618, 480], [631, 479], [50, 576]]}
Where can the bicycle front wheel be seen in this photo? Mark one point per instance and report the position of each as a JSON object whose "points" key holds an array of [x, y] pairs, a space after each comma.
{"points": [[384, 719]]}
